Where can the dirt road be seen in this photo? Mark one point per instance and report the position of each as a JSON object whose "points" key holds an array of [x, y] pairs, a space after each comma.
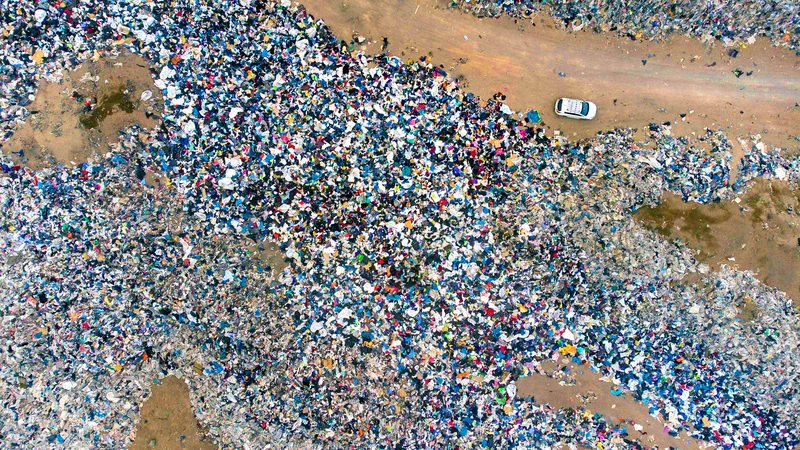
{"points": [[633, 83]]}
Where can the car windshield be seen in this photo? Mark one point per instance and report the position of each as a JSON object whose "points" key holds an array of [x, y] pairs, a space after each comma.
{"points": [[585, 109]]}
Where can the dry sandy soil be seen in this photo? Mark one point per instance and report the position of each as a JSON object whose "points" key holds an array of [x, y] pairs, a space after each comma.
{"points": [[523, 61], [60, 131], [269, 253], [168, 422], [760, 233], [583, 388]]}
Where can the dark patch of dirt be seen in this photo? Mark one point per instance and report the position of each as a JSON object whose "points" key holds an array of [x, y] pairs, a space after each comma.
{"points": [[117, 100]]}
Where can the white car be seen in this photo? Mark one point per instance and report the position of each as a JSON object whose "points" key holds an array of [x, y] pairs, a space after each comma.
{"points": [[576, 109]]}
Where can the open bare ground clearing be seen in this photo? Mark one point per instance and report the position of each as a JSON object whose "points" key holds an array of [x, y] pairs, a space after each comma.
{"points": [[632, 83], [168, 421], [63, 129], [581, 387], [760, 233]]}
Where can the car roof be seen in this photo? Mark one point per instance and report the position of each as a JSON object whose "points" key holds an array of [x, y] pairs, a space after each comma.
{"points": [[571, 106]]}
